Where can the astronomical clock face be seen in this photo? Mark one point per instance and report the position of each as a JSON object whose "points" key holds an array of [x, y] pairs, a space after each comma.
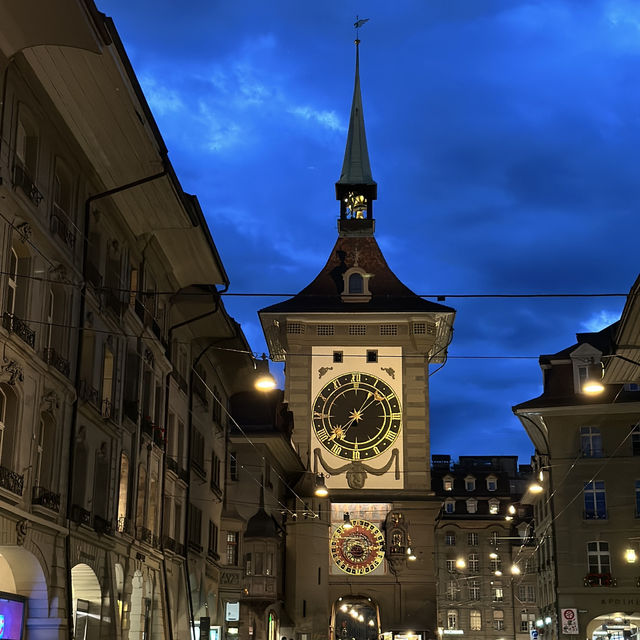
{"points": [[359, 549], [356, 416]]}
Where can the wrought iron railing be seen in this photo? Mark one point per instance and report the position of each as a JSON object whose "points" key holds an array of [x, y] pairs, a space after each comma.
{"points": [[45, 498], [124, 525], [60, 227], [11, 481], [13, 324], [599, 580], [80, 515], [102, 525], [89, 394], [145, 535], [53, 358], [22, 179]]}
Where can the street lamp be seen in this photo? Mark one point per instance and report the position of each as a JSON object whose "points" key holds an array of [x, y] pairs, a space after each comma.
{"points": [[264, 380], [321, 488]]}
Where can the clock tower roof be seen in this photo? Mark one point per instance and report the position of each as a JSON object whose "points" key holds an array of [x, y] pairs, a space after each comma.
{"points": [[382, 291]]}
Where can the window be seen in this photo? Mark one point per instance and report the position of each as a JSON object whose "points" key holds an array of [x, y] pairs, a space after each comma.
{"points": [[493, 538], [497, 593], [213, 538], [324, 330], [107, 382], [495, 564], [419, 328], [123, 491], [595, 501], [45, 451], [452, 590], [450, 538], [590, 442], [475, 620], [472, 505], [8, 410], [598, 557], [635, 441], [637, 498], [231, 554], [217, 407], [470, 483], [372, 356], [451, 564], [449, 506], [233, 466], [295, 328], [527, 622], [337, 356], [357, 329], [356, 283], [474, 563], [473, 539], [498, 620], [492, 483], [195, 527], [388, 329], [452, 619], [447, 483], [12, 282], [215, 472], [474, 590], [494, 506], [197, 451], [527, 593]]}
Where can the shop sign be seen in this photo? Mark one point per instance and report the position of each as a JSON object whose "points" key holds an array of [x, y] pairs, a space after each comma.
{"points": [[232, 612]]}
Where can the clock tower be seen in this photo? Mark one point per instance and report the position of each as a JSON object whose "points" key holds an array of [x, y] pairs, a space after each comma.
{"points": [[358, 345]]}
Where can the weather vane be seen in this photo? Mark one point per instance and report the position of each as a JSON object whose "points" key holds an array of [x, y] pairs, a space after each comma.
{"points": [[357, 24]]}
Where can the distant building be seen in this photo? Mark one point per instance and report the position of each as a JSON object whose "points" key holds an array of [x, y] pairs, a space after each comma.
{"points": [[588, 459], [483, 534]]}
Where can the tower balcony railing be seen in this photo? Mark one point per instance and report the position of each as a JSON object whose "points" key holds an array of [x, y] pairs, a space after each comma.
{"points": [[45, 498], [13, 324], [54, 359], [11, 481]]}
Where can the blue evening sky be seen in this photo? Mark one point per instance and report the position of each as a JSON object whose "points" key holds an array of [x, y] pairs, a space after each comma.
{"points": [[503, 135]]}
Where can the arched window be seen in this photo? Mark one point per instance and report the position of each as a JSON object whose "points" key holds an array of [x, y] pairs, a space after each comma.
{"points": [[356, 283], [45, 453], [12, 282], [142, 490]]}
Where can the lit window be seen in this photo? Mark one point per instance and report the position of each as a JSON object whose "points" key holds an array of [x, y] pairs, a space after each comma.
{"points": [[475, 620], [447, 483], [598, 557], [590, 442], [493, 538], [452, 590], [595, 500], [470, 483], [232, 548], [494, 506], [497, 593], [495, 564], [452, 619], [527, 622], [498, 620]]}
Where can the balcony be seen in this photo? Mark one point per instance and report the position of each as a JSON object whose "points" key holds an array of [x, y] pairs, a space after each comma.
{"points": [[169, 544], [124, 525], [13, 324], [11, 481], [172, 464], [180, 549], [55, 360], [599, 580], [60, 228], [89, 394], [80, 515], [22, 179], [45, 498], [102, 525]]}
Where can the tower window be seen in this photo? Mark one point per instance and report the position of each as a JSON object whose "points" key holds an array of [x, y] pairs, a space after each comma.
{"points": [[356, 283], [388, 329], [324, 329], [372, 355], [337, 356], [295, 327], [419, 328], [357, 329]]}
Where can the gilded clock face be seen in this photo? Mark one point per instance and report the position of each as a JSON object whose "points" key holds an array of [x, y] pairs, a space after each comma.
{"points": [[357, 550], [356, 416]]}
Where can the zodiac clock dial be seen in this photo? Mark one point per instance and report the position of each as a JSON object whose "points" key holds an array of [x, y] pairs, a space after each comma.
{"points": [[356, 416], [357, 550]]}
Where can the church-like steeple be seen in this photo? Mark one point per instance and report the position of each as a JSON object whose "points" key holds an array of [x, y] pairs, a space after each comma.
{"points": [[356, 189]]}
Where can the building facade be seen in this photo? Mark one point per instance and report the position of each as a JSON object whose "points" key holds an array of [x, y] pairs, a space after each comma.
{"points": [[357, 344], [115, 371], [484, 542], [587, 449]]}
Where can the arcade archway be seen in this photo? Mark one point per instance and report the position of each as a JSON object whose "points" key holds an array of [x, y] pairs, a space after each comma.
{"points": [[86, 596], [617, 625], [355, 618]]}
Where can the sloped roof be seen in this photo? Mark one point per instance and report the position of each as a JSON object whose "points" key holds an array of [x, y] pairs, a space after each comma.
{"points": [[388, 294]]}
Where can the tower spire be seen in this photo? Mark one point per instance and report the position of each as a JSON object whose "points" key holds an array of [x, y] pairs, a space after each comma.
{"points": [[356, 189]]}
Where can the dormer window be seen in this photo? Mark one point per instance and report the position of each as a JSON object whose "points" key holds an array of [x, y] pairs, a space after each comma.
{"points": [[449, 506], [492, 483], [494, 506], [470, 483], [587, 364], [447, 483], [356, 285]]}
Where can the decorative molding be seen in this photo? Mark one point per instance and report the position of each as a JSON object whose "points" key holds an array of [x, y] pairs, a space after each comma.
{"points": [[322, 371], [148, 357], [49, 401], [59, 272], [22, 527], [24, 231], [390, 371], [13, 370], [357, 471]]}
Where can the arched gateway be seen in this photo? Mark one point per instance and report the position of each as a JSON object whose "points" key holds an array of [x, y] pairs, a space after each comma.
{"points": [[355, 618]]}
